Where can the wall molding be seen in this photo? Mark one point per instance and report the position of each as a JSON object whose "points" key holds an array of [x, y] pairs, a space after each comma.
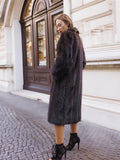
{"points": [[3, 10], [86, 5], [112, 46], [102, 66], [104, 55], [6, 66], [102, 99], [95, 17]]}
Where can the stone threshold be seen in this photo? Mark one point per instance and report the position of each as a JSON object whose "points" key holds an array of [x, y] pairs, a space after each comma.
{"points": [[32, 95]]}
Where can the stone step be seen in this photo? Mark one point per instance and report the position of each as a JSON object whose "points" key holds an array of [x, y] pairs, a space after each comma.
{"points": [[32, 95], [104, 112]]}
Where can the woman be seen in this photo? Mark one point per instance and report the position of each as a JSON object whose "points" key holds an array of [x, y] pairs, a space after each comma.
{"points": [[66, 90]]}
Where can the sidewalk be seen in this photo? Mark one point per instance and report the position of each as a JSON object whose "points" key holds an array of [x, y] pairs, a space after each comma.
{"points": [[25, 133]]}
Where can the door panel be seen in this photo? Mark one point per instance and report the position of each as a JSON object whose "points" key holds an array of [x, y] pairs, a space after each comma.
{"points": [[53, 34], [41, 70], [55, 2], [41, 43], [29, 46]]}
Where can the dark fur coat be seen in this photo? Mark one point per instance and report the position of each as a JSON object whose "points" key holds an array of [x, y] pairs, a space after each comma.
{"points": [[66, 89]]}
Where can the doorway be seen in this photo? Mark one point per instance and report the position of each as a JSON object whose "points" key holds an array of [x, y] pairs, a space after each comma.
{"points": [[39, 39]]}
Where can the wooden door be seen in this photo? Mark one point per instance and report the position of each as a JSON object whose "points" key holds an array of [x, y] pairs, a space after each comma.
{"points": [[39, 44]]}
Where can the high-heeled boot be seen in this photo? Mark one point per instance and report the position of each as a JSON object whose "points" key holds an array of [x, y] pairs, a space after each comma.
{"points": [[58, 151], [72, 141]]}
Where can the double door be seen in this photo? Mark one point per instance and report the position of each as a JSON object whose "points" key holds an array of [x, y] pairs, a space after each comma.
{"points": [[39, 50]]}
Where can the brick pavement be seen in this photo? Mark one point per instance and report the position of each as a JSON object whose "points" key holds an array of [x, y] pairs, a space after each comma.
{"points": [[25, 134]]}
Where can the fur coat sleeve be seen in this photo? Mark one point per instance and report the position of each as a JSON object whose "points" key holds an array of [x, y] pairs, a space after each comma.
{"points": [[65, 60]]}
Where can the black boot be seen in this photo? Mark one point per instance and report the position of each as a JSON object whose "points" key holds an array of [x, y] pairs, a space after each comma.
{"points": [[58, 151], [72, 141]]}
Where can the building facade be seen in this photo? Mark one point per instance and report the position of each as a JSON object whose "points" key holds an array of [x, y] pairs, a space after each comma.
{"points": [[28, 40]]}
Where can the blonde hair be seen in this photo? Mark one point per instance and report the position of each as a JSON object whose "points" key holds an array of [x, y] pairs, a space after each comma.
{"points": [[66, 19]]}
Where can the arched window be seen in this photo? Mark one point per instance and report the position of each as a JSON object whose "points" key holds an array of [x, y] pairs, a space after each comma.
{"points": [[39, 39]]}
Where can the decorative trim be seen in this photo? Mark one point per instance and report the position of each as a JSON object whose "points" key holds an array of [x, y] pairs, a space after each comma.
{"points": [[86, 5], [52, 2], [102, 98], [104, 55], [95, 17], [2, 16], [104, 47], [6, 66], [39, 5], [105, 60], [102, 66]]}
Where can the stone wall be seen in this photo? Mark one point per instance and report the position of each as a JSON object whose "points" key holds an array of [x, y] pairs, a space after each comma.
{"points": [[6, 68], [99, 26], [2, 47], [95, 21], [11, 71]]}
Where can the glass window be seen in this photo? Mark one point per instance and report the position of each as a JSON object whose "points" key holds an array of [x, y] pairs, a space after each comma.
{"points": [[41, 40], [29, 9], [29, 46], [56, 35]]}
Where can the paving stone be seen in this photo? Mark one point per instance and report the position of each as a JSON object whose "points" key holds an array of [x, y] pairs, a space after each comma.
{"points": [[24, 136]]}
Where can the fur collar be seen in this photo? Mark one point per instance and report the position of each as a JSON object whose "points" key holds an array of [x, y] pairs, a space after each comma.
{"points": [[74, 29]]}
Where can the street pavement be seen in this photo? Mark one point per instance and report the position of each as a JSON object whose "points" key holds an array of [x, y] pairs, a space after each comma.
{"points": [[25, 133]]}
